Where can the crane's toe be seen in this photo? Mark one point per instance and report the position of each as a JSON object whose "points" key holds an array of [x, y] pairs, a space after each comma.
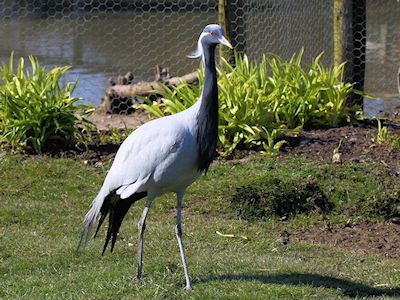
{"points": [[138, 278]]}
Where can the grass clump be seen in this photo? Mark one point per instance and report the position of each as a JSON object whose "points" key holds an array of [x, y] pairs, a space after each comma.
{"points": [[261, 102], [37, 110], [385, 136], [385, 204], [271, 197]]}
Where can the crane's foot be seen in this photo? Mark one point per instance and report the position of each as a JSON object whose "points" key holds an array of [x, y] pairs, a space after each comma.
{"points": [[139, 273], [139, 278], [189, 287]]}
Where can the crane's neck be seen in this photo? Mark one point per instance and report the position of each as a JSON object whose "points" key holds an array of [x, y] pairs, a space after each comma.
{"points": [[207, 117]]}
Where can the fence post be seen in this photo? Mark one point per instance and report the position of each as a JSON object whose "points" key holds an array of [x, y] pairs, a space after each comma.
{"points": [[349, 23], [398, 80], [340, 24], [231, 17], [223, 20]]}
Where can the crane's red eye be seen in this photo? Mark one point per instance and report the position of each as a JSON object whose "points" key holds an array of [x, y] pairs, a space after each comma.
{"points": [[213, 33]]}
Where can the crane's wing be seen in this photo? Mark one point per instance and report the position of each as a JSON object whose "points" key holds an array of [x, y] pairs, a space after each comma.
{"points": [[145, 149]]}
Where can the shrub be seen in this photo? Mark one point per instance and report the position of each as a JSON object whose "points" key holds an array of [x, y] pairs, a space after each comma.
{"points": [[37, 110], [261, 102]]}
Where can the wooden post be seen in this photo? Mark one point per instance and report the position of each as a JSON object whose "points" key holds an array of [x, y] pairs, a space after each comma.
{"points": [[223, 20], [340, 27], [383, 29], [350, 43], [398, 80], [231, 17]]}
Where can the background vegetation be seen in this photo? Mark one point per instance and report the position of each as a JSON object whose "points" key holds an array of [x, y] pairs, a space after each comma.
{"points": [[261, 102], [37, 109]]}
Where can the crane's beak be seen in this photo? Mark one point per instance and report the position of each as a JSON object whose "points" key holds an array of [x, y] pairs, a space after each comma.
{"points": [[225, 42]]}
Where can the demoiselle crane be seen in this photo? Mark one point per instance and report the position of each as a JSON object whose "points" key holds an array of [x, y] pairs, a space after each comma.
{"points": [[164, 155]]}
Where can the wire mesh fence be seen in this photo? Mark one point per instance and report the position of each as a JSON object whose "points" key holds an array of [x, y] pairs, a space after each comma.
{"points": [[107, 38], [283, 27], [102, 38], [383, 49]]}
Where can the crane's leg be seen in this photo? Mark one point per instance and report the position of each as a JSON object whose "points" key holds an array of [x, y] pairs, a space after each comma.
{"points": [[179, 237], [141, 228]]}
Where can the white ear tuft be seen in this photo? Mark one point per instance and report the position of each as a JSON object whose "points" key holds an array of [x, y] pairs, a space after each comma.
{"points": [[195, 54], [199, 51]]}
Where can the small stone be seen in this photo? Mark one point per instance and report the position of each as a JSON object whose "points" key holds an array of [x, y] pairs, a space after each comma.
{"points": [[398, 210], [353, 140], [395, 220], [304, 141]]}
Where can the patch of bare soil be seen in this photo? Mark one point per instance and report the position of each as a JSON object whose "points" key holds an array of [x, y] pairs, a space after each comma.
{"points": [[356, 145], [99, 154], [105, 121], [382, 239]]}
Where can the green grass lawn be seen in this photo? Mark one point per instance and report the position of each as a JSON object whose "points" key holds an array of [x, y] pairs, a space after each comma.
{"points": [[43, 202]]}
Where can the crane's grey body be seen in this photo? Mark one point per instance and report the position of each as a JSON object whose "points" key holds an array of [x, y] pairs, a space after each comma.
{"points": [[164, 155], [170, 142]]}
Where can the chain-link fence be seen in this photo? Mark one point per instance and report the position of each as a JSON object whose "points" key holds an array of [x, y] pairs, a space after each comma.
{"points": [[383, 49], [283, 27], [104, 38], [107, 38]]}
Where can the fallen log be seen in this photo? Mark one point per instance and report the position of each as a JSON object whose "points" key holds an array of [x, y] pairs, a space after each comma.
{"points": [[121, 95], [144, 88]]}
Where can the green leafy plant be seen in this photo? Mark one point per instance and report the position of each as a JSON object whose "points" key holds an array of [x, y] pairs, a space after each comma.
{"points": [[271, 146], [37, 110], [114, 135], [384, 136], [261, 102]]}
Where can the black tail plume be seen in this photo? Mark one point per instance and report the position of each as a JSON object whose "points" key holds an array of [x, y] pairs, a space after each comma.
{"points": [[105, 208], [117, 212]]}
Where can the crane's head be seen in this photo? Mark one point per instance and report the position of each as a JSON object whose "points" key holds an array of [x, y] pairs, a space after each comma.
{"points": [[212, 34]]}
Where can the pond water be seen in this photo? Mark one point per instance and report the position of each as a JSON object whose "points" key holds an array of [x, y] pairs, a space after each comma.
{"points": [[103, 44]]}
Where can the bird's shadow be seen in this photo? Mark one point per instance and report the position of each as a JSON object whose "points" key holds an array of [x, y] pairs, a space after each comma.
{"points": [[347, 287]]}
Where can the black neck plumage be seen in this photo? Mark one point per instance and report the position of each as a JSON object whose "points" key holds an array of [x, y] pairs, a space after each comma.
{"points": [[207, 118]]}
